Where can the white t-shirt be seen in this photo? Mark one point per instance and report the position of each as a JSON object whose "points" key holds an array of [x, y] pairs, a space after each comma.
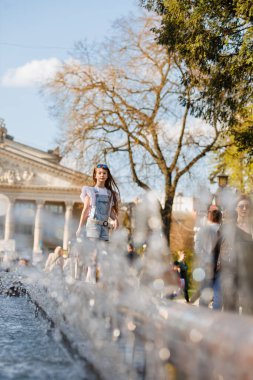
{"points": [[101, 190], [89, 191]]}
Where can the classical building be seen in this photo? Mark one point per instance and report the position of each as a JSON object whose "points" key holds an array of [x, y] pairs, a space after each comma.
{"points": [[40, 202]]}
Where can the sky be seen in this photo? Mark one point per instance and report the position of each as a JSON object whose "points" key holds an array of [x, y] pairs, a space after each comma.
{"points": [[35, 35]]}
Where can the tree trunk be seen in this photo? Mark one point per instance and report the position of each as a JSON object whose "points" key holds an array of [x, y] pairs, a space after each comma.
{"points": [[166, 214]]}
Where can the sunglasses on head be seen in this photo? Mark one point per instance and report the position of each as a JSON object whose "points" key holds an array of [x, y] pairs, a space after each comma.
{"points": [[103, 166]]}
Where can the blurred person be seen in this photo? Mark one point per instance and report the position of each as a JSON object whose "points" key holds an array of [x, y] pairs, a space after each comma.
{"points": [[79, 258], [183, 269], [55, 260], [100, 212], [131, 254], [23, 262], [10, 261], [24, 266], [236, 259], [207, 248], [174, 279], [135, 261]]}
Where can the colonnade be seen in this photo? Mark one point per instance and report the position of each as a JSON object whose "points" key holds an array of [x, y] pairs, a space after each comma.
{"points": [[38, 223]]}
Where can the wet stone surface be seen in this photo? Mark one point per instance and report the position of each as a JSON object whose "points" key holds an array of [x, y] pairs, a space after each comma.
{"points": [[29, 349]]}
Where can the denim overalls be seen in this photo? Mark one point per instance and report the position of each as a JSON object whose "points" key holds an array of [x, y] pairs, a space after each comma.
{"points": [[100, 211]]}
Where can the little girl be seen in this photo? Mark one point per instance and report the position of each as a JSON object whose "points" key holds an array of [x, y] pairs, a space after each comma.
{"points": [[100, 202]]}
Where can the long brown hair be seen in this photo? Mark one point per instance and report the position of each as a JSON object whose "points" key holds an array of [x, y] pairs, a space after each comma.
{"points": [[111, 185]]}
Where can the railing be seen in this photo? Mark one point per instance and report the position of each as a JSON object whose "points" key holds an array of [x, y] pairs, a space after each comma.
{"points": [[126, 327], [165, 340]]}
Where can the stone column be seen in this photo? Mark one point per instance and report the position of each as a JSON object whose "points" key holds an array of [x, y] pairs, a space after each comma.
{"points": [[9, 220], [38, 229], [67, 224]]}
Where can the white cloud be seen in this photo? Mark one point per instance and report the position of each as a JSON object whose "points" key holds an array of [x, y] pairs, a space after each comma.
{"points": [[31, 74]]}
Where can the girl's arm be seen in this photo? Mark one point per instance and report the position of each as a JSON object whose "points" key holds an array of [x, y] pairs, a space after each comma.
{"points": [[84, 215], [114, 217]]}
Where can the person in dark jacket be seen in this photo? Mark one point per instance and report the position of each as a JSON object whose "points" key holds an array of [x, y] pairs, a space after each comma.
{"points": [[131, 253], [236, 259], [183, 273]]}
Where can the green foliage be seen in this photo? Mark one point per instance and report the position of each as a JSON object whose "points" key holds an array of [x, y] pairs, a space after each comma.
{"points": [[243, 134], [214, 39], [237, 166]]}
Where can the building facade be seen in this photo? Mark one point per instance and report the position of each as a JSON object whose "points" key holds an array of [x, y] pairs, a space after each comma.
{"points": [[40, 202]]}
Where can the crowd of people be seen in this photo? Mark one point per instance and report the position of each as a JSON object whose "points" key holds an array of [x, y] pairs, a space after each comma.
{"points": [[224, 247]]}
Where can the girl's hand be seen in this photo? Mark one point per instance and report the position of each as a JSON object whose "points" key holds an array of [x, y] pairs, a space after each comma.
{"points": [[78, 232], [115, 224]]}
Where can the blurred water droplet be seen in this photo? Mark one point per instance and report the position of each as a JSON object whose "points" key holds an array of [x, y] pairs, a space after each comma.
{"points": [[131, 326], [195, 336], [116, 333], [164, 313], [207, 295], [164, 353], [158, 284], [198, 274], [92, 302], [154, 223]]}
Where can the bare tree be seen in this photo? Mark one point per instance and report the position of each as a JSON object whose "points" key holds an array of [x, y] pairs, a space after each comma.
{"points": [[130, 98]]}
